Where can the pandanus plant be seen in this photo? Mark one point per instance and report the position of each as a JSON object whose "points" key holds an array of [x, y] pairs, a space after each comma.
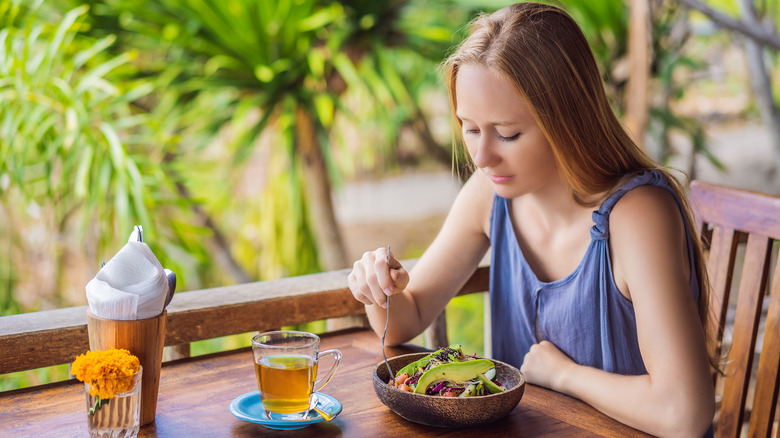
{"points": [[73, 150], [241, 69]]}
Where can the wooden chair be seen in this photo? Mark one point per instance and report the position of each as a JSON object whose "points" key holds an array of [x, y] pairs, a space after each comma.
{"points": [[727, 218]]}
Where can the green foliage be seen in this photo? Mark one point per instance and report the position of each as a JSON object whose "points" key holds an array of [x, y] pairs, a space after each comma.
{"points": [[465, 323], [149, 111], [605, 24], [226, 72], [61, 124], [670, 38], [23, 379], [75, 142], [223, 73], [224, 343], [279, 215]]}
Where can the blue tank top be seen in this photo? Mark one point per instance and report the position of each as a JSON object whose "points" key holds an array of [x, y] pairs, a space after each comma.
{"points": [[583, 314]]}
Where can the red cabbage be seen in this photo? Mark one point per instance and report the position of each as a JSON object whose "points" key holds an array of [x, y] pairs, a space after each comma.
{"points": [[438, 387]]}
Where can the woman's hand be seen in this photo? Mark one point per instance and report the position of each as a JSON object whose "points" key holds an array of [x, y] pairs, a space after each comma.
{"points": [[546, 365], [372, 280]]}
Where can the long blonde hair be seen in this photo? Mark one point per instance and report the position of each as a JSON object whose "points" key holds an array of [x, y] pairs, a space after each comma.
{"points": [[542, 51]]}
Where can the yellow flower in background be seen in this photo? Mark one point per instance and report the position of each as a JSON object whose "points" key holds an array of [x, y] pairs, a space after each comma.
{"points": [[104, 371]]}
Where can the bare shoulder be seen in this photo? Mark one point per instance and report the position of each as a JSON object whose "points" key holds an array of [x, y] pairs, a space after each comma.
{"points": [[649, 208], [647, 242], [474, 203]]}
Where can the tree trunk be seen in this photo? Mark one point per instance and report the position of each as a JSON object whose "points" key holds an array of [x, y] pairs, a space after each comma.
{"points": [[638, 84], [761, 83], [219, 244], [330, 245], [420, 126]]}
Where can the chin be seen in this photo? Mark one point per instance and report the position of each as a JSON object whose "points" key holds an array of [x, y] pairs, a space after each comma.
{"points": [[507, 192]]}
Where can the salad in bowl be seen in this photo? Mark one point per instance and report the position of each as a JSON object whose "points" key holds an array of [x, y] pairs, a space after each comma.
{"points": [[447, 388], [447, 372]]}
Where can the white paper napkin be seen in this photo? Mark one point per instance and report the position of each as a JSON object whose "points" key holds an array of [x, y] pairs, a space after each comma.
{"points": [[132, 285]]}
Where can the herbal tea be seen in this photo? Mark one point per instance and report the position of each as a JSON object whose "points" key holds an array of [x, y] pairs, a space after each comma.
{"points": [[286, 368], [285, 382]]}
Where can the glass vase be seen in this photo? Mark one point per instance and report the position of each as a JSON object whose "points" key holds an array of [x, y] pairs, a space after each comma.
{"points": [[118, 416]]}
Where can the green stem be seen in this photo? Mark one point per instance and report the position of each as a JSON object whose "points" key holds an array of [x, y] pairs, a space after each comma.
{"points": [[99, 402]]}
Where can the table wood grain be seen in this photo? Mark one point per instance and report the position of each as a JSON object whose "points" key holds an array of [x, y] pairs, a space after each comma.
{"points": [[195, 394]]}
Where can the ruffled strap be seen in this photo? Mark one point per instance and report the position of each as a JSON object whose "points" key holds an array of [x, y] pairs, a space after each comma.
{"points": [[600, 228]]}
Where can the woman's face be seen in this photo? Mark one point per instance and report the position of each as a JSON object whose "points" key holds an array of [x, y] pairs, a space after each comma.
{"points": [[500, 133]]}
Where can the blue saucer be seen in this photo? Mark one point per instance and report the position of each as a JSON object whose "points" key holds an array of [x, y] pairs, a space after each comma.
{"points": [[249, 407]]}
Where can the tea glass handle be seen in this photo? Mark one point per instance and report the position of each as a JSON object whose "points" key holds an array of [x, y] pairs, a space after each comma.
{"points": [[326, 378]]}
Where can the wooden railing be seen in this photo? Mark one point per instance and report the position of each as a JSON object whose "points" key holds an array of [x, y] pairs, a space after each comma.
{"points": [[53, 337]]}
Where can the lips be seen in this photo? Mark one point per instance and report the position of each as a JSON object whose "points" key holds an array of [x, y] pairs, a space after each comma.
{"points": [[500, 179]]}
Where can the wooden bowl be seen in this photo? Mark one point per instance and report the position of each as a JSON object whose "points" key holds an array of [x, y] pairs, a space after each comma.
{"points": [[434, 410]]}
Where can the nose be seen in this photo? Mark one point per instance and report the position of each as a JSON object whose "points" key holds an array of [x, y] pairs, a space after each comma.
{"points": [[485, 155]]}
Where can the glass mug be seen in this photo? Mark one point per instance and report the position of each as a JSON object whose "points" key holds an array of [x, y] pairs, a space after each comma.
{"points": [[286, 369]]}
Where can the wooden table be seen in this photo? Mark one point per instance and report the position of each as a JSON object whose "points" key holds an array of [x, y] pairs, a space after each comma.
{"points": [[195, 394]]}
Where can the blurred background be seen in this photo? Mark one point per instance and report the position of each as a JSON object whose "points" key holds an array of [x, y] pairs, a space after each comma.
{"points": [[258, 139]]}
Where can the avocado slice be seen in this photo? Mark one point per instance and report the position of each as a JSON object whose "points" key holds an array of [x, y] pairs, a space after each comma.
{"points": [[469, 391], [421, 363], [454, 371], [490, 385]]}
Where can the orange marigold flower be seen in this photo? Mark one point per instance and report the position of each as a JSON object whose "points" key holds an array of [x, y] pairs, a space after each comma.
{"points": [[107, 372]]}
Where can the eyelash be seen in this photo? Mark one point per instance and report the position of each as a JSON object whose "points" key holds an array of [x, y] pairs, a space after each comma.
{"points": [[500, 137]]}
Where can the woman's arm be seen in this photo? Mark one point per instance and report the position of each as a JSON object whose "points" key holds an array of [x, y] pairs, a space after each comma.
{"points": [[418, 297], [651, 267]]}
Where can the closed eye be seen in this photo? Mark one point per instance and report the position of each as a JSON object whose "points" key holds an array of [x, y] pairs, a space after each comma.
{"points": [[512, 138], [471, 131]]}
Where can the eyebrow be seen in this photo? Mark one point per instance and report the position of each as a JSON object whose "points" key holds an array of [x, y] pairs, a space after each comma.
{"points": [[503, 123]]}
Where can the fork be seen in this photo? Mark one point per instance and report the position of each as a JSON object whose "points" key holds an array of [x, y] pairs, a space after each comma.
{"points": [[387, 320]]}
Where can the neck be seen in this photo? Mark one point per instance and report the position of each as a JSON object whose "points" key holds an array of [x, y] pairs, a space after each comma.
{"points": [[553, 206]]}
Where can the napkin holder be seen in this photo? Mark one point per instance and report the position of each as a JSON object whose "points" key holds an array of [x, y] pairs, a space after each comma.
{"points": [[144, 338]]}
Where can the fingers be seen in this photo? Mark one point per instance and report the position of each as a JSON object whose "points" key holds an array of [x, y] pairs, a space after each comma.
{"points": [[377, 275], [372, 280], [357, 284], [399, 278], [382, 271]]}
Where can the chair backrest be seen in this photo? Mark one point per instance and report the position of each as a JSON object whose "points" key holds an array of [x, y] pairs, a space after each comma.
{"points": [[728, 217]]}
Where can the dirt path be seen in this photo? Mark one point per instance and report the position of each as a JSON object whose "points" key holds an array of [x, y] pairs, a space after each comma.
{"points": [[404, 211]]}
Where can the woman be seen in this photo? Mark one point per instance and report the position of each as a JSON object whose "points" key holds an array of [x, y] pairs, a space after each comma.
{"points": [[606, 305]]}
